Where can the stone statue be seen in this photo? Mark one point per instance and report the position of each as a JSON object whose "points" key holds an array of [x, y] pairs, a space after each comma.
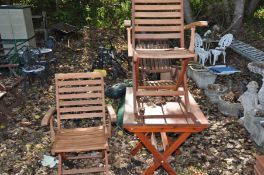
{"points": [[250, 103]]}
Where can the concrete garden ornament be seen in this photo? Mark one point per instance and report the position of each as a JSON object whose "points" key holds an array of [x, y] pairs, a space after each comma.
{"points": [[250, 103]]}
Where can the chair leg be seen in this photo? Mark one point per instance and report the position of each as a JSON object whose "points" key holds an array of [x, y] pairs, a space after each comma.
{"points": [[224, 53], [60, 165], [106, 162]]}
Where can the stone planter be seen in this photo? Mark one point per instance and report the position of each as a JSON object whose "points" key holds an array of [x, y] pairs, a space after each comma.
{"points": [[201, 76], [213, 91], [229, 109]]}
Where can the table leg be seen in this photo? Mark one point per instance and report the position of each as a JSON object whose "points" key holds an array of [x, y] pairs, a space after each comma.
{"points": [[161, 159]]}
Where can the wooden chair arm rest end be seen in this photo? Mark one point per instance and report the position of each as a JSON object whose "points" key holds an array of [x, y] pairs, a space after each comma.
{"points": [[46, 119], [127, 23], [111, 113], [129, 43], [196, 24]]}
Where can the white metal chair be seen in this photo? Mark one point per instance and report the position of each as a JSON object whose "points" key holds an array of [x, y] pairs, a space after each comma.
{"points": [[224, 42], [203, 54]]}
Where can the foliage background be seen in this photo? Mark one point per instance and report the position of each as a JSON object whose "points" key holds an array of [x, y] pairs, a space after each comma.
{"points": [[111, 13]]}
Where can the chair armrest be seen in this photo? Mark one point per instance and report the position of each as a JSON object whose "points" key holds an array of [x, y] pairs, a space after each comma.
{"points": [[129, 43], [127, 24], [48, 119], [192, 27], [111, 118], [111, 113], [196, 24]]}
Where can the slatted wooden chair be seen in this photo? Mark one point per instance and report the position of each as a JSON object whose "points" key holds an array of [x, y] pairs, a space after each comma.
{"points": [[80, 96], [159, 20]]}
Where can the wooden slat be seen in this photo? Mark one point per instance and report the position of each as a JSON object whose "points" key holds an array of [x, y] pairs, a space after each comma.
{"points": [[157, 7], [158, 21], [160, 93], [78, 96], [81, 109], [79, 89], [164, 139], [157, 28], [158, 1], [79, 82], [80, 116], [158, 14], [82, 157], [80, 102], [79, 75], [158, 36], [83, 171]]}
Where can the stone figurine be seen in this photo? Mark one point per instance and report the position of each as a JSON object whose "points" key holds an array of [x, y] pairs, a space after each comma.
{"points": [[250, 103]]}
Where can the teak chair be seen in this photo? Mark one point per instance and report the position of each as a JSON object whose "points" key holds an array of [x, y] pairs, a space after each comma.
{"points": [[80, 96], [159, 20]]}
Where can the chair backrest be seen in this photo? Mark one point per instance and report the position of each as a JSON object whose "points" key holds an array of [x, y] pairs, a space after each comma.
{"points": [[198, 42], [225, 41], [80, 96], [29, 56], [157, 20]]}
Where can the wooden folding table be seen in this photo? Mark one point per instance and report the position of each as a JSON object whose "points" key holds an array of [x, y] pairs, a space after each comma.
{"points": [[164, 120]]}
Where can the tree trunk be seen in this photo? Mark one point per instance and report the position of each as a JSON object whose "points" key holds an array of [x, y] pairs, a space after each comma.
{"points": [[238, 14], [188, 11], [253, 4], [227, 11]]}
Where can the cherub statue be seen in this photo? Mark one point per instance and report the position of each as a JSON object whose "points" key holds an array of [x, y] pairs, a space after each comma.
{"points": [[249, 101]]}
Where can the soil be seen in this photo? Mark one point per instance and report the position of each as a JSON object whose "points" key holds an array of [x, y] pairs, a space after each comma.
{"points": [[225, 148]]}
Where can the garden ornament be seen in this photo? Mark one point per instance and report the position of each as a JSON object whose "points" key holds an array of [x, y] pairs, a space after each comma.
{"points": [[250, 103]]}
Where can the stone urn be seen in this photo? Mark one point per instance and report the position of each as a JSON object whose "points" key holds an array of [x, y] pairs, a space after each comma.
{"points": [[201, 76], [227, 108], [213, 91], [258, 68]]}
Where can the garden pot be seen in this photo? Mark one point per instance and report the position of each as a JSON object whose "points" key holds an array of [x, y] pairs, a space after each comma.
{"points": [[229, 109], [201, 76], [213, 91]]}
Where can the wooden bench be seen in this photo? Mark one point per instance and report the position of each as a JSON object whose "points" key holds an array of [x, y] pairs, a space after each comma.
{"points": [[247, 51]]}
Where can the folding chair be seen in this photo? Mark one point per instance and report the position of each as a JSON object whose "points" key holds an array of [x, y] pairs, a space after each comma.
{"points": [[159, 20], [80, 96]]}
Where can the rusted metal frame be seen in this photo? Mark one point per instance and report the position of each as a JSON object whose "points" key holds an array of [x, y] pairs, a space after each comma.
{"points": [[172, 148], [159, 159]]}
